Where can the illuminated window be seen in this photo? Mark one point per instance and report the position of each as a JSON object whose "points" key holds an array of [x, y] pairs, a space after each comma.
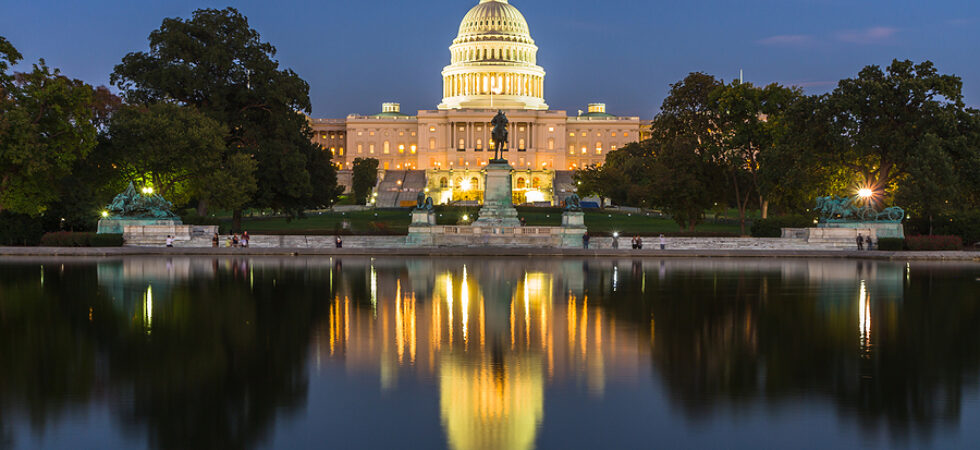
{"points": [[474, 183], [401, 133], [583, 134], [401, 148], [551, 129], [614, 134], [432, 129], [571, 134], [386, 165], [551, 143], [521, 184], [372, 133], [323, 136], [520, 128], [371, 149], [413, 133], [625, 134], [432, 143], [341, 151], [414, 148], [462, 129], [598, 148], [360, 148], [462, 145], [479, 144], [584, 150], [386, 149], [331, 135], [612, 147], [520, 145], [333, 151], [360, 133], [536, 183], [340, 135], [571, 149], [479, 128]]}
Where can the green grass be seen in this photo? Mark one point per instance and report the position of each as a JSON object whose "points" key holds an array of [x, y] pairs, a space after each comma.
{"points": [[396, 221]]}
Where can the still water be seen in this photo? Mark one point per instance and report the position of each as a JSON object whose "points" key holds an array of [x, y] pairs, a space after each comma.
{"points": [[488, 353]]}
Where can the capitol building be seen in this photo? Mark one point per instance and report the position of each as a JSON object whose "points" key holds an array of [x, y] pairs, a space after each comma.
{"points": [[493, 66]]}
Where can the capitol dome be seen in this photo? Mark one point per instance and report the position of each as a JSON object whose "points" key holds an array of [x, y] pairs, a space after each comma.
{"points": [[493, 62]]}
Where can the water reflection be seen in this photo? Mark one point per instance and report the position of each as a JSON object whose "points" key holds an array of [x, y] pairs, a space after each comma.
{"points": [[515, 353]]}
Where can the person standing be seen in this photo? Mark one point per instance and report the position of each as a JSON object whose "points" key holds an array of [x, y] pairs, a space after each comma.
{"points": [[585, 240], [663, 242], [867, 240], [170, 241], [860, 241], [245, 238], [234, 240], [215, 240], [338, 242], [615, 243], [633, 242], [639, 242]]}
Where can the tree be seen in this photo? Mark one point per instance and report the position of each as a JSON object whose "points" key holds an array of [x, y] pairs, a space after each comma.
{"points": [[217, 63], [878, 122], [45, 127], [169, 147], [683, 184], [364, 177]]}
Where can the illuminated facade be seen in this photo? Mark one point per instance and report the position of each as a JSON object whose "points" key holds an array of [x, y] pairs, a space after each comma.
{"points": [[493, 66]]}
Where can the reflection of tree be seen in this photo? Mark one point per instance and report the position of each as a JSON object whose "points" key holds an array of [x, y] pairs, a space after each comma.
{"points": [[743, 335], [220, 361]]}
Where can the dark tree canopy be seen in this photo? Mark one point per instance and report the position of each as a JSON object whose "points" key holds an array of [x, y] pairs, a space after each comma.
{"points": [[220, 65], [364, 178]]}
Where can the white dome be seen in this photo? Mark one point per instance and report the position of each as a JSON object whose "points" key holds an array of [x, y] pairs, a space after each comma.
{"points": [[493, 20]]}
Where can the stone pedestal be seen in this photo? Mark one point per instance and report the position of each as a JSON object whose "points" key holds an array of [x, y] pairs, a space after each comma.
{"points": [[574, 219], [118, 226], [423, 217], [498, 204], [881, 229]]}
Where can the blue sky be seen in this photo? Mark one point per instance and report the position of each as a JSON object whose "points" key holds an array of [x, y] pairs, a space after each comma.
{"points": [[356, 54]]}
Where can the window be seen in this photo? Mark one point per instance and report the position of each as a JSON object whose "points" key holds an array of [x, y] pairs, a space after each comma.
{"points": [[479, 128], [598, 148], [413, 133], [551, 129], [551, 143], [571, 149], [598, 134], [341, 152], [571, 134], [536, 183], [521, 184], [414, 148], [323, 136], [371, 149], [520, 128], [331, 135], [401, 133], [360, 148], [386, 165], [432, 129], [333, 151], [520, 145], [462, 145], [479, 144], [360, 133], [625, 134], [432, 143], [372, 133], [612, 148], [614, 134], [584, 150], [387, 148], [474, 183], [522, 161], [401, 148], [583, 134]]}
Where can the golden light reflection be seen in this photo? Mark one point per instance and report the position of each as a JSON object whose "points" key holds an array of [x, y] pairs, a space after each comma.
{"points": [[491, 394], [864, 319], [148, 309]]}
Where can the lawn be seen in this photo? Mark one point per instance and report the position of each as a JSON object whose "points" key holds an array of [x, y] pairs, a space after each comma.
{"points": [[396, 221]]}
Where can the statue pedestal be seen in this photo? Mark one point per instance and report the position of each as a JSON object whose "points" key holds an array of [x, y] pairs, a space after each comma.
{"points": [[423, 217], [498, 201], [118, 226], [880, 229], [573, 219]]}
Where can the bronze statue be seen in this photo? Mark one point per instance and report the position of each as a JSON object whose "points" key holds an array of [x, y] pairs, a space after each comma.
{"points": [[573, 203], [423, 202], [499, 134], [132, 205]]}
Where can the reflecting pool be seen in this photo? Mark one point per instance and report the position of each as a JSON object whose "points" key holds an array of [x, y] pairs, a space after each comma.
{"points": [[494, 353]]}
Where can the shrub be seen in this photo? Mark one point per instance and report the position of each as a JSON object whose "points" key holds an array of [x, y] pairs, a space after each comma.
{"points": [[772, 227], [80, 239], [965, 225], [891, 244], [19, 229], [935, 242]]}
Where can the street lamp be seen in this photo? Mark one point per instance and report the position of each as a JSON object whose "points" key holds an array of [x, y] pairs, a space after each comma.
{"points": [[865, 193]]}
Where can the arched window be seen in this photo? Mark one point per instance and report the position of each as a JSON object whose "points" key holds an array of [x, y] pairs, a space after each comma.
{"points": [[443, 183], [371, 149], [521, 184], [520, 145], [598, 148], [401, 148], [474, 183], [571, 149], [458, 183], [479, 144], [536, 183]]}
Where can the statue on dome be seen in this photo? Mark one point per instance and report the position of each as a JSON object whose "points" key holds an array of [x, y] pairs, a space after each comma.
{"points": [[499, 134]]}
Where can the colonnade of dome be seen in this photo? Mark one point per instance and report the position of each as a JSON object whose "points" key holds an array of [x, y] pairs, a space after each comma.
{"points": [[494, 62]]}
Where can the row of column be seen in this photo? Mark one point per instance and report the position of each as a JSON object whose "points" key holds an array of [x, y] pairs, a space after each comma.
{"points": [[499, 83], [470, 135]]}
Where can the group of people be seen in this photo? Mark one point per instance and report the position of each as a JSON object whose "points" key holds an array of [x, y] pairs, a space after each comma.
{"points": [[232, 241], [864, 240]]}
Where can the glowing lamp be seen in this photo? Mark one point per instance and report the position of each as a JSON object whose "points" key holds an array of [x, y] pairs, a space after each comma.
{"points": [[105, 213], [865, 193]]}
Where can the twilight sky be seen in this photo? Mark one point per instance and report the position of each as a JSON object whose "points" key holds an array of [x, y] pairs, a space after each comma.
{"points": [[356, 54]]}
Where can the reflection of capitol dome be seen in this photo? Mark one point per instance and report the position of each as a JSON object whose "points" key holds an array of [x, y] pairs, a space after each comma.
{"points": [[493, 56]]}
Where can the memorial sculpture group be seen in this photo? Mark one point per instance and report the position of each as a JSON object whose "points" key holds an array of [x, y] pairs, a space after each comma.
{"points": [[845, 209], [148, 219], [498, 223]]}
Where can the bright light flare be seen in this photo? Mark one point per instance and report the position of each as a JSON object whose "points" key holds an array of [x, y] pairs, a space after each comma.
{"points": [[865, 193]]}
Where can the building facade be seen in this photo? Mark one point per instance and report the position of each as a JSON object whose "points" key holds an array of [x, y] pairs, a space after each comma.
{"points": [[493, 66]]}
